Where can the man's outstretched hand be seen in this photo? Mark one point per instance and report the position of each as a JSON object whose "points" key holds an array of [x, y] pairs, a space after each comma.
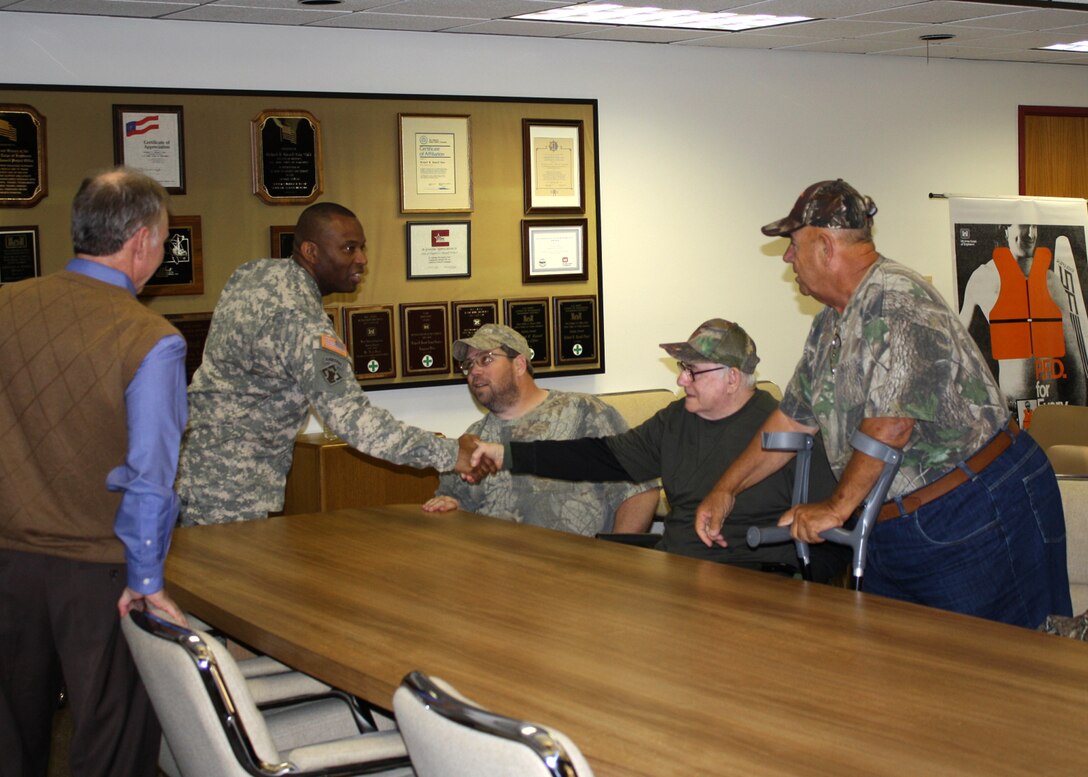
{"points": [[472, 474]]}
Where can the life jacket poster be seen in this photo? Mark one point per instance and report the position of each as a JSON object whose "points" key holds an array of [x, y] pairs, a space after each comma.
{"points": [[1021, 280]]}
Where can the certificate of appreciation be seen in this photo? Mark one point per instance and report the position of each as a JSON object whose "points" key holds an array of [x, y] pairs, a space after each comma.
{"points": [[150, 139]]}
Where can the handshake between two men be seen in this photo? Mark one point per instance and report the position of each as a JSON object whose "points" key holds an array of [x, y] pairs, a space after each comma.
{"points": [[477, 459]]}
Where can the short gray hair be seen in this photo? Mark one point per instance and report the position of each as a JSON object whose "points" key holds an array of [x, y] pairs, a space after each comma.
{"points": [[111, 207]]}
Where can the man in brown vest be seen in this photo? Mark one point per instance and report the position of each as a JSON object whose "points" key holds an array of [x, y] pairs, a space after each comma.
{"points": [[92, 405]]}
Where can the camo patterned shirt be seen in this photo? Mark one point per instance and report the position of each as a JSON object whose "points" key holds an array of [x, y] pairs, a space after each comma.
{"points": [[897, 350], [581, 508], [271, 353]]}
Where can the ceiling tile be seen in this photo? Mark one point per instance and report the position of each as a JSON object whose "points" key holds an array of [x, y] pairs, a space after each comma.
{"points": [[469, 9], [822, 9], [844, 28], [514, 27], [142, 9], [642, 34], [936, 12], [342, 7], [746, 40], [370, 20], [853, 46], [232, 13], [915, 32]]}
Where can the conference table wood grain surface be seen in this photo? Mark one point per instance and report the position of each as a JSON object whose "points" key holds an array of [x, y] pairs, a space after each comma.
{"points": [[654, 664]]}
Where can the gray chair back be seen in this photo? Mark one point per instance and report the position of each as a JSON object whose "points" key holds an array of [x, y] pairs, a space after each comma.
{"points": [[1075, 505], [210, 730], [449, 736], [213, 726]]}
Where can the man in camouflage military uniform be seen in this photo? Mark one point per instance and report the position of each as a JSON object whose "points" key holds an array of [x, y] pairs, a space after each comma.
{"points": [[974, 520], [496, 361], [271, 353]]}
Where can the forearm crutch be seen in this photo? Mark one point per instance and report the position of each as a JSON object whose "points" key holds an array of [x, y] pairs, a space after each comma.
{"points": [[802, 443], [858, 538]]}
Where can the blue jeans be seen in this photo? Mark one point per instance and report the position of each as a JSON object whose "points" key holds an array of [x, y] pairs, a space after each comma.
{"points": [[992, 547]]}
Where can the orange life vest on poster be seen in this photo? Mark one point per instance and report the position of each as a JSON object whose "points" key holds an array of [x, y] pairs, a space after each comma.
{"points": [[1025, 322]]}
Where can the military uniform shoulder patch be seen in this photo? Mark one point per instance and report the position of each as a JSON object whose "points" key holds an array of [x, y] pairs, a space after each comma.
{"points": [[332, 371], [332, 343]]}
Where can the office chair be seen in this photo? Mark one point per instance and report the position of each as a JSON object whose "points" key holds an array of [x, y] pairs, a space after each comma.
{"points": [[1069, 459], [448, 736], [213, 725], [270, 681], [1059, 425], [1074, 492], [858, 537]]}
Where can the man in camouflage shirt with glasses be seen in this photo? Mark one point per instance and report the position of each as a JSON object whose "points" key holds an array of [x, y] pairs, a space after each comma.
{"points": [[496, 362], [974, 518]]}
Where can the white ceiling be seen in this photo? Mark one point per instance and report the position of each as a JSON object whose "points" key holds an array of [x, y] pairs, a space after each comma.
{"points": [[997, 30]]}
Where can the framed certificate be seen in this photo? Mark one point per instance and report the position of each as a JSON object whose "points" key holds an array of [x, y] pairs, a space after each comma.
{"points": [[20, 254], [554, 172], [287, 157], [282, 241], [576, 330], [554, 250], [150, 138], [182, 268], [22, 156], [435, 164], [438, 249]]}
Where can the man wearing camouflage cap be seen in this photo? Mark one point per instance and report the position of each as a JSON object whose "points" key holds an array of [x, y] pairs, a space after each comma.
{"points": [[271, 354], [974, 518], [688, 445], [497, 364]]}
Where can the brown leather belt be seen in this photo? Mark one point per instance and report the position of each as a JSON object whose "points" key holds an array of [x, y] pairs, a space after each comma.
{"points": [[938, 488]]}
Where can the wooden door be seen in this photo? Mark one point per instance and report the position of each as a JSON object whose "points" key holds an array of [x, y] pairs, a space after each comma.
{"points": [[1053, 151]]}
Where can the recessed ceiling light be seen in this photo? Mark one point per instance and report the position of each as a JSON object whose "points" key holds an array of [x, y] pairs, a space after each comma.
{"points": [[649, 16], [1081, 47]]}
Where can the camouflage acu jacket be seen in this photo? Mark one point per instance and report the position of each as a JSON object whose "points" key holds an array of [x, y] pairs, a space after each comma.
{"points": [[271, 353]]}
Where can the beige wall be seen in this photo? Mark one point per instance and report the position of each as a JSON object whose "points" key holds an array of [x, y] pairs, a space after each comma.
{"points": [[698, 148]]}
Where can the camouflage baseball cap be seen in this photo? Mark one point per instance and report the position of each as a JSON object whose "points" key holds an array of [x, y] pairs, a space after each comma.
{"points": [[828, 204], [491, 336], [718, 341]]}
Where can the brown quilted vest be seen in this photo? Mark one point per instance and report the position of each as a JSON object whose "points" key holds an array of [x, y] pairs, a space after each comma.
{"points": [[69, 346]]}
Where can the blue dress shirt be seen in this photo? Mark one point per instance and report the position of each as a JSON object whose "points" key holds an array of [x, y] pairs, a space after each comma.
{"points": [[156, 409]]}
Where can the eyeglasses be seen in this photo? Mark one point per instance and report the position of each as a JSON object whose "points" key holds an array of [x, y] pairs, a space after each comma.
{"points": [[693, 373], [484, 360], [836, 346]]}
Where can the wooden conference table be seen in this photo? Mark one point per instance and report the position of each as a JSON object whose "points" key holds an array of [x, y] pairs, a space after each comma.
{"points": [[653, 664]]}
